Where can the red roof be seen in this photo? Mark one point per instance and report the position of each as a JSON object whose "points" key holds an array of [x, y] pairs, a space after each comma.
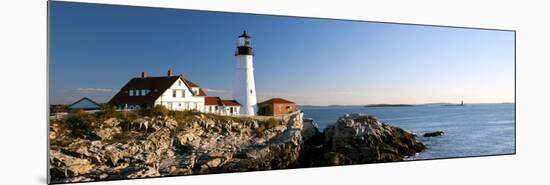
{"points": [[191, 84], [156, 85], [213, 100], [275, 101], [230, 103], [210, 100]]}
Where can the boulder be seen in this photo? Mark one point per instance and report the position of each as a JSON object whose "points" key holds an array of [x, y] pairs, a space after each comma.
{"points": [[360, 138], [64, 166], [107, 133], [433, 134], [161, 146]]}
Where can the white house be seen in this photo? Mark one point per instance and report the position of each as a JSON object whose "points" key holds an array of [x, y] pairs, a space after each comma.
{"points": [[173, 92], [178, 93], [218, 106]]}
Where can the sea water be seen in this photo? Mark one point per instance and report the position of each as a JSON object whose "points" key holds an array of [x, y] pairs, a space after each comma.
{"points": [[470, 130]]}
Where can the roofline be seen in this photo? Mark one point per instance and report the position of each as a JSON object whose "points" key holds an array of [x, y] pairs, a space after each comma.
{"points": [[85, 98], [272, 99]]}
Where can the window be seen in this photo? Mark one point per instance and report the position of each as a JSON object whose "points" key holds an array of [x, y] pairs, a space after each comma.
{"points": [[179, 83], [210, 108], [131, 93], [143, 92], [174, 93], [183, 93], [250, 91]]}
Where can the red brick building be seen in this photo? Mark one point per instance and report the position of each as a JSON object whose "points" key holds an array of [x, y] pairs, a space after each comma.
{"points": [[276, 107]]}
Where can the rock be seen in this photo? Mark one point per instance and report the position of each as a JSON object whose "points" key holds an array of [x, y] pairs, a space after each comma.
{"points": [[214, 163], [310, 129], [160, 146], [143, 173], [433, 134], [107, 133], [359, 139], [64, 166], [103, 176], [111, 122]]}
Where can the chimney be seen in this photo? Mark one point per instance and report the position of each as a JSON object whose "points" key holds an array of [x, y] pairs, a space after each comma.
{"points": [[143, 74], [169, 72]]}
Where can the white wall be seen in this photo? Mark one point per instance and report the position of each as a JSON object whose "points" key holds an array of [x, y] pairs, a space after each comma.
{"points": [[222, 110], [180, 102], [24, 40], [244, 88]]}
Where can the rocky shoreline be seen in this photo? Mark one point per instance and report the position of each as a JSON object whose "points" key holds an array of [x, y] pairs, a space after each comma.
{"points": [[165, 145]]}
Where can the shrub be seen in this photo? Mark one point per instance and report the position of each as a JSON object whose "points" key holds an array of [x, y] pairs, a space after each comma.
{"points": [[266, 125], [272, 122], [108, 111], [158, 110], [80, 124], [260, 130], [80, 120]]}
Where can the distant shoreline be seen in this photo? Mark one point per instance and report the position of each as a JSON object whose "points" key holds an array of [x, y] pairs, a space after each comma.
{"points": [[402, 105], [389, 105]]}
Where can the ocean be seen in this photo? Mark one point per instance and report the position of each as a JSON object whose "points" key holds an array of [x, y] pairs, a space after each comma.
{"points": [[470, 130]]}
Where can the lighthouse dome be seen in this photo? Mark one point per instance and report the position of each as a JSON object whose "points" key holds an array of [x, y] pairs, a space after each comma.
{"points": [[244, 45]]}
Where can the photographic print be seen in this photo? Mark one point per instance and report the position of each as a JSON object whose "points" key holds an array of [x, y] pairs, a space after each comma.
{"points": [[140, 92]]}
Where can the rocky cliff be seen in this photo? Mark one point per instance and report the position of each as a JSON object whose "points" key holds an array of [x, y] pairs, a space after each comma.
{"points": [[168, 145], [360, 138]]}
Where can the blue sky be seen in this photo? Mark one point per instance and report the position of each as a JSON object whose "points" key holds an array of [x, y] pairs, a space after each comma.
{"points": [[96, 49]]}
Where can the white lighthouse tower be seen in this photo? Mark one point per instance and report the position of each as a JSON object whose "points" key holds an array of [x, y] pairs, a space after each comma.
{"points": [[244, 89]]}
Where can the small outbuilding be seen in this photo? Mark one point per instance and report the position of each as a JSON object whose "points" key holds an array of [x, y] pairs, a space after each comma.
{"points": [[214, 104], [85, 104], [276, 107]]}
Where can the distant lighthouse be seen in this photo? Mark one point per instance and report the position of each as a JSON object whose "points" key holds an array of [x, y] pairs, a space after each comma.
{"points": [[244, 89]]}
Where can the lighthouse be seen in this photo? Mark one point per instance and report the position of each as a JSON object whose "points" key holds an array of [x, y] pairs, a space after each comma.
{"points": [[244, 89]]}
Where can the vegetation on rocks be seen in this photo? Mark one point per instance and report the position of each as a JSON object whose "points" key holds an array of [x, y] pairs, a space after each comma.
{"points": [[117, 145], [110, 144]]}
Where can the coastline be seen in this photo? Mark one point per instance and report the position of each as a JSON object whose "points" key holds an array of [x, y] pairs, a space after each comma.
{"points": [[197, 143]]}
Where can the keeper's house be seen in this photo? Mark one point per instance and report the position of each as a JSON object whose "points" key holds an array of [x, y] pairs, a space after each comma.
{"points": [[175, 92]]}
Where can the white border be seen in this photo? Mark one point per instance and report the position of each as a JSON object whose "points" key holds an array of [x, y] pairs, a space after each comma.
{"points": [[23, 61]]}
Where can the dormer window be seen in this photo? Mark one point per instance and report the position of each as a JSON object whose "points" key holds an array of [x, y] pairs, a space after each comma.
{"points": [[195, 91], [131, 93]]}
